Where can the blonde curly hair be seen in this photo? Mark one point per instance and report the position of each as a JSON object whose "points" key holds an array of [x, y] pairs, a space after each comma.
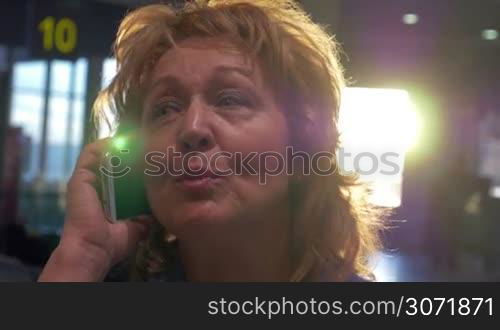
{"points": [[334, 228]]}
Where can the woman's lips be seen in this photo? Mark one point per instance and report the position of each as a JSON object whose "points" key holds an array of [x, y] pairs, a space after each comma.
{"points": [[197, 183]]}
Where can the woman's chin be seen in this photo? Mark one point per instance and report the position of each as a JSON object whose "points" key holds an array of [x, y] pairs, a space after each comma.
{"points": [[202, 213]]}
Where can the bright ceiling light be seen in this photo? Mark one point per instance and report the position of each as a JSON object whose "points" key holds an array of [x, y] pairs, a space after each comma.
{"points": [[489, 34], [495, 192], [410, 19]]}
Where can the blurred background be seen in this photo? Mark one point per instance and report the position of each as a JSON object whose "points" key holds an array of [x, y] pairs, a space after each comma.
{"points": [[424, 87]]}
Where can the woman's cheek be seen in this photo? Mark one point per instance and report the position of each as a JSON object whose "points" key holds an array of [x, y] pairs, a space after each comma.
{"points": [[265, 158]]}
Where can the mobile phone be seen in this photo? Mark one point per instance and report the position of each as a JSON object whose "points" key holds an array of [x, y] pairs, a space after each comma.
{"points": [[123, 193]]}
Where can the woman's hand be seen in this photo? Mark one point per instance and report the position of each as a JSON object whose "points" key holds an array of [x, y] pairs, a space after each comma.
{"points": [[90, 245]]}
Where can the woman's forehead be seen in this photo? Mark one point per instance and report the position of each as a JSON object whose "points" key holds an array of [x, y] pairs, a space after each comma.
{"points": [[201, 57]]}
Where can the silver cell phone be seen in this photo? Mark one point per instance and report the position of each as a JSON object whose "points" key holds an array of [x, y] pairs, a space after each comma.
{"points": [[108, 196]]}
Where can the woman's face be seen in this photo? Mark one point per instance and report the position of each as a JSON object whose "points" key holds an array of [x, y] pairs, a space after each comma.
{"points": [[206, 103]]}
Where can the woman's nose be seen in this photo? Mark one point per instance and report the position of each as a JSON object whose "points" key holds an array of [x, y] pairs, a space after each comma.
{"points": [[195, 133]]}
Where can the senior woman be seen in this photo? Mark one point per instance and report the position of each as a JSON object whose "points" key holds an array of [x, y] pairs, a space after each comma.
{"points": [[232, 76]]}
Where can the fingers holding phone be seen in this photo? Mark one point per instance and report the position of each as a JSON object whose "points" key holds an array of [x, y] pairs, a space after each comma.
{"points": [[88, 235]]}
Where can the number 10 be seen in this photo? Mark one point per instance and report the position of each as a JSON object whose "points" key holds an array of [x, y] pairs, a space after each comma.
{"points": [[62, 34]]}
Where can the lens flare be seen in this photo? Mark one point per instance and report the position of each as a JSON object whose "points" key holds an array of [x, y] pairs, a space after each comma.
{"points": [[120, 142], [377, 122]]}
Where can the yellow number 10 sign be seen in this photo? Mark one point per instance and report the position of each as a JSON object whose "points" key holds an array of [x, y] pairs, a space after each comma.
{"points": [[60, 34]]}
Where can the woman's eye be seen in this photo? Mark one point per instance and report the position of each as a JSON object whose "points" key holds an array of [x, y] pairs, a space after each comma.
{"points": [[231, 99], [166, 108]]}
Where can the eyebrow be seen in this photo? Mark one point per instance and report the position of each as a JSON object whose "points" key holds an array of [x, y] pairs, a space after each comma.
{"points": [[165, 80], [222, 69], [227, 69]]}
